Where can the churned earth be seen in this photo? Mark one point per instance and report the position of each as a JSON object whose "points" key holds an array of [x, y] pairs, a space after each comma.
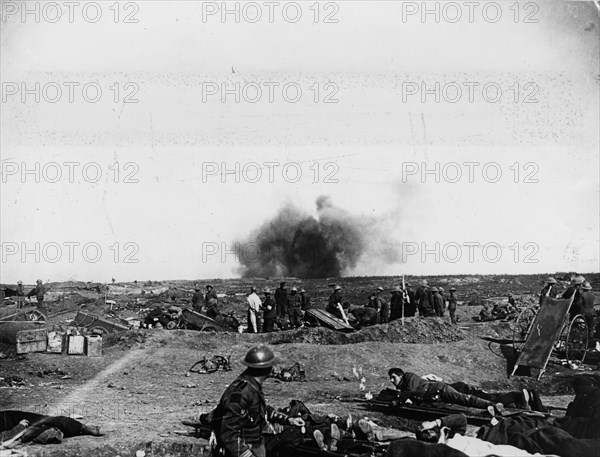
{"points": [[140, 389]]}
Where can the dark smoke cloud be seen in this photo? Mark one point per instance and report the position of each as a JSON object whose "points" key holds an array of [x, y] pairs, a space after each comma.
{"points": [[293, 243]]}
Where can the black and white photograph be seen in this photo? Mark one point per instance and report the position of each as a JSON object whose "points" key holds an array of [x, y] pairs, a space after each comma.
{"points": [[349, 228]]}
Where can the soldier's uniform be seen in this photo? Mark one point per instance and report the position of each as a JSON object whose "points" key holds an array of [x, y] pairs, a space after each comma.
{"points": [[332, 305], [424, 300], [293, 309], [587, 298], [281, 298], [438, 304], [270, 313], [304, 301], [240, 417], [20, 295], [197, 299], [384, 310], [39, 292], [548, 291], [452, 303], [396, 304]]}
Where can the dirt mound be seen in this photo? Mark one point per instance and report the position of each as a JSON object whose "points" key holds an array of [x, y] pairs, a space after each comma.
{"points": [[415, 330]]}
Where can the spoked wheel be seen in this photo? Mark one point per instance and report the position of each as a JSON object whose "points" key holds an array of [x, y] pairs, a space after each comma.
{"points": [[522, 327], [576, 340], [35, 315]]}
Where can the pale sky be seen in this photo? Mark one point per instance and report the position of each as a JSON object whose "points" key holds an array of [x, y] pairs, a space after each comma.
{"points": [[368, 62]]}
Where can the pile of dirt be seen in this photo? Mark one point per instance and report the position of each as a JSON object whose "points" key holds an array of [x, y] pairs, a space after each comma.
{"points": [[415, 330]]}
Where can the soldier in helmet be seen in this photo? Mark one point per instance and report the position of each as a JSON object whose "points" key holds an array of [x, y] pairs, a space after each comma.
{"points": [[269, 311], [335, 301], [20, 294], [242, 413], [293, 308], [211, 302], [396, 303], [424, 300], [38, 291], [281, 298], [549, 290], [197, 299], [452, 303], [588, 298], [574, 291]]}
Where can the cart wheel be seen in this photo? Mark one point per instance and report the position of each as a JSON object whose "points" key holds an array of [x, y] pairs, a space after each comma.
{"points": [[172, 325], [577, 340], [521, 328], [35, 315]]}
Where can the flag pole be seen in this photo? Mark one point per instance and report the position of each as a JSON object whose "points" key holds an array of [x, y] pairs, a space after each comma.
{"points": [[403, 299]]}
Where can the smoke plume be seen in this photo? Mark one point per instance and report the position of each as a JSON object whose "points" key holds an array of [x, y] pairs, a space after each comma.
{"points": [[293, 243]]}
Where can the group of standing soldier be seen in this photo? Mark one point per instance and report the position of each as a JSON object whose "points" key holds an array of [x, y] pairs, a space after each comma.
{"points": [[285, 309], [404, 302], [38, 291]]}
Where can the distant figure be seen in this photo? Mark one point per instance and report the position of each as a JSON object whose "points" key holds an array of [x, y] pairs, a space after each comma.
{"points": [[335, 302], [511, 300], [452, 304], [549, 290], [20, 294], [38, 291], [365, 317], [383, 306], [269, 311], [254, 306], [441, 292], [588, 297], [424, 300], [281, 298], [438, 302], [211, 302], [304, 300], [396, 304], [574, 290], [197, 299], [293, 308]]}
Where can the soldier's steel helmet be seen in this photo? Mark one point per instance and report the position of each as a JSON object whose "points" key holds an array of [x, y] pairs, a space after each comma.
{"points": [[267, 291], [337, 287], [577, 280], [294, 289], [259, 357], [441, 289], [424, 282], [587, 286], [19, 282], [550, 280], [452, 289], [434, 289]]}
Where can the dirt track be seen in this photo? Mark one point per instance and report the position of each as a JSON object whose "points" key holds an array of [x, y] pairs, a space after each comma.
{"points": [[138, 392]]}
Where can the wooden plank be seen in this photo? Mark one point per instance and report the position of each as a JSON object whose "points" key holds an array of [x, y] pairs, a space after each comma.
{"points": [[329, 320], [544, 332]]}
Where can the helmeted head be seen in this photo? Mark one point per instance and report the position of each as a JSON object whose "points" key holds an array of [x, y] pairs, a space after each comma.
{"points": [[550, 280], [578, 280], [424, 282], [267, 291], [20, 283], [209, 287], [395, 375], [586, 286], [281, 284], [452, 289], [39, 281], [302, 291], [378, 289], [440, 289], [337, 287], [197, 288], [434, 290], [293, 290], [259, 360]]}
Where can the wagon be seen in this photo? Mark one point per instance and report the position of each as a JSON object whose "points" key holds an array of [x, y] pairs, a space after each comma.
{"points": [[194, 320], [28, 314], [537, 333]]}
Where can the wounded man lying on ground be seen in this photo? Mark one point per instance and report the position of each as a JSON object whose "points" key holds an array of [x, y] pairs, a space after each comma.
{"points": [[431, 388], [22, 427]]}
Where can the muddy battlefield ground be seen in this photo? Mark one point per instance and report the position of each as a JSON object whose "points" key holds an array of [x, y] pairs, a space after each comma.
{"points": [[141, 388]]}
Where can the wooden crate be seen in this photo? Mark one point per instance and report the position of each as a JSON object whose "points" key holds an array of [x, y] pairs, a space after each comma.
{"points": [[35, 340]]}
